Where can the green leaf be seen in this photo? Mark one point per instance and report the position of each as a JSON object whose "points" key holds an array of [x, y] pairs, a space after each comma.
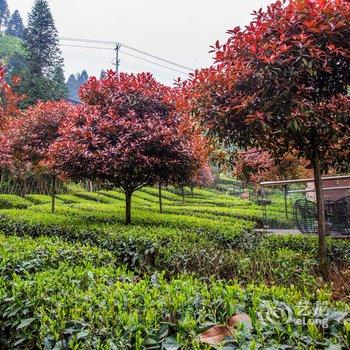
{"points": [[150, 341], [82, 334], [20, 341], [26, 322], [171, 344]]}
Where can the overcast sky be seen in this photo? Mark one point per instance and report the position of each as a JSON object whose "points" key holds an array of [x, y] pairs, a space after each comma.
{"points": [[180, 31]]}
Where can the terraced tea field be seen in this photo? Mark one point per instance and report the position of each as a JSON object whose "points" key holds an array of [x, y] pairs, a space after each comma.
{"points": [[80, 278]]}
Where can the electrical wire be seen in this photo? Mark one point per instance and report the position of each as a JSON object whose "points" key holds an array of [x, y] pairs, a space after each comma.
{"points": [[104, 60], [126, 53], [127, 47]]}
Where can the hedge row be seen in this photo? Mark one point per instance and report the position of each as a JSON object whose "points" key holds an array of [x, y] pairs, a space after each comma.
{"points": [[85, 302], [179, 244]]}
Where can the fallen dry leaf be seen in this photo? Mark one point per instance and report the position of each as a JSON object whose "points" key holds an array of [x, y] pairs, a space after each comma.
{"points": [[217, 334], [214, 335]]}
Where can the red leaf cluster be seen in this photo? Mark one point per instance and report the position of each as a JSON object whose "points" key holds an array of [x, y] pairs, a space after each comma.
{"points": [[281, 84], [26, 140], [254, 166], [8, 99], [129, 133]]}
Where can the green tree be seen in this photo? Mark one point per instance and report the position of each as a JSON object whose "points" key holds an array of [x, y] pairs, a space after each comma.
{"points": [[4, 14], [74, 82], [13, 55], [82, 78], [72, 86], [45, 63], [15, 26], [103, 74]]}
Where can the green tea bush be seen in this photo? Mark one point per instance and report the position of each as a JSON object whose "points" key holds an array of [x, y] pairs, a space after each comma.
{"points": [[13, 201], [24, 256], [93, 196], [38, 198], [200, 242], [338, 250], [248, 214], [107, 308], [147, 244]]}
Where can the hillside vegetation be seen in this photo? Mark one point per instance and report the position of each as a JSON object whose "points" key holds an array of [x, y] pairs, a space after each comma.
{"points": [[82, 279]]}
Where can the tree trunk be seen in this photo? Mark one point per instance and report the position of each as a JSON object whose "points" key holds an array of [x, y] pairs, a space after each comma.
{"points": [[160, 198], [183, 193], [192, 191], [321, 219], [285, 188], [128, 195], [98, 192], [53, 194]]}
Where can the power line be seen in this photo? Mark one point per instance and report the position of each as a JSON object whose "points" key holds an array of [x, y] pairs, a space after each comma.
{"points": [[126, 53], [103, 59], [89, 47], [128, 47]]}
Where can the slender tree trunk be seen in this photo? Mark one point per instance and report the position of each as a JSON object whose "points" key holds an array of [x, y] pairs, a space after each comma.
{"points": [[321, 219], [160, 198], [53, 194], [285, 188], [128, 195], [183, 193], [98, 192], [192, 191]]}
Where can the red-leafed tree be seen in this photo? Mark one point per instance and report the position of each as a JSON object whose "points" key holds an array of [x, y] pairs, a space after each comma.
{"points": [[254, 165], [26, 140], [281, 84], [128, 133], [8, 99], [201, 147], [202, 178]]}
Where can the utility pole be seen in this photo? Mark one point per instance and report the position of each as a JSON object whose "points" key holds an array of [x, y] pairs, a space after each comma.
{"points": [[117, 60]]}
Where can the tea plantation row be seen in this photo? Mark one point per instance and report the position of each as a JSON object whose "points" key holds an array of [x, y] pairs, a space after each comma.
{"points": [[81, 279]]}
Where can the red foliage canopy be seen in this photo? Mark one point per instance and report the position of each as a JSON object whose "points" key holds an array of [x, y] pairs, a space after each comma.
{"points": [[26, 140], [254, 166], [200, 146], [128, 133], [8, 99], [281, 83]]}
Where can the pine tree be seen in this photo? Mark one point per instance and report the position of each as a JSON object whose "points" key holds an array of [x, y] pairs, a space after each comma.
{"points": [[45, 57], [15, 26], [59, 84], [74, 82], [82, 78], [72, 87], [4, 14], [42, 40], [103, 74]]}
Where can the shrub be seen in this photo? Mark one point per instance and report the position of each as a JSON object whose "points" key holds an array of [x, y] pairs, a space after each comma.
{"points": [[13, 201], [105, 308]]}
